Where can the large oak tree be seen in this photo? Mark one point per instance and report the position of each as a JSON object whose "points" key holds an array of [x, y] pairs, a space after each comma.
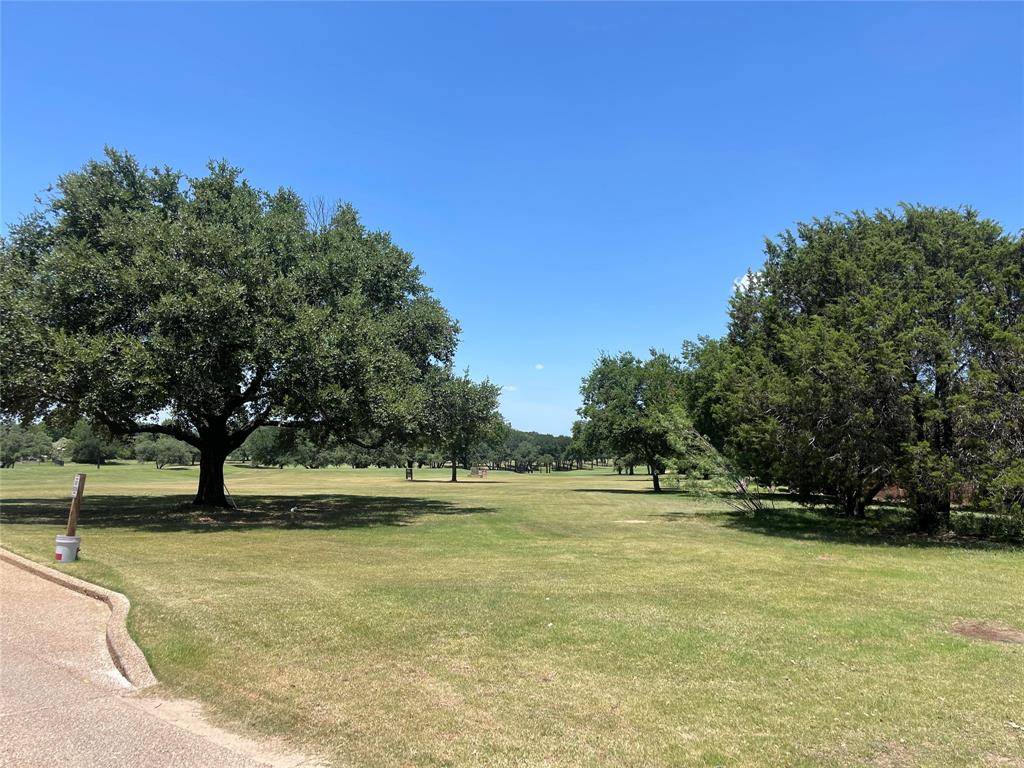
{"points": [[204, 308]]}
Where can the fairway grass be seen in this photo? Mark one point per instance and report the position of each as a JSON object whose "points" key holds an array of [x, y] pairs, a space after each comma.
{"points": [[545, 620]]}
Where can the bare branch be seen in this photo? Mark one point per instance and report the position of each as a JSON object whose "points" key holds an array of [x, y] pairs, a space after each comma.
{"points": [[134, 428]]}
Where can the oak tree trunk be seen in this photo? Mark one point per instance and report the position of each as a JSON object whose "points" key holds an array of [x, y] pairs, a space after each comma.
{"points": [[860, 511], [931, 504], [931, 511], [211, 479]]}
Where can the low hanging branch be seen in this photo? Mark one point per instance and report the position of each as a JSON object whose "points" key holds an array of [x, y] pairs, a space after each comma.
{"points": [[744, 500]]}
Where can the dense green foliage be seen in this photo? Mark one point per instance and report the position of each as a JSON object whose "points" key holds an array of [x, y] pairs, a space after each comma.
{"points": [[632, 408], [503, 448], [875, 350], [462, 416], [140, 293], [18, 443], [528, 451], [163, 450], [90, 446], [44, 442], [312, 449]]}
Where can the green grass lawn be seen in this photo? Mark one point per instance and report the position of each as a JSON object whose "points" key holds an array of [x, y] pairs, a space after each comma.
{"points": [[545, 620]]}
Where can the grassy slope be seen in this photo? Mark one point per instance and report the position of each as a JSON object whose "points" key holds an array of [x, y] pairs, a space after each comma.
{"points": [[544, 620]]}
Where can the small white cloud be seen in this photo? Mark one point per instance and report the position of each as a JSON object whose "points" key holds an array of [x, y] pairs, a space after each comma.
{"points": [[539, 366], [744, 282], [510, 388]]}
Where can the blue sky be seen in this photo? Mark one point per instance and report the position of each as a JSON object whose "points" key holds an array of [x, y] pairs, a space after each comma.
{"points": [[572, 178]]}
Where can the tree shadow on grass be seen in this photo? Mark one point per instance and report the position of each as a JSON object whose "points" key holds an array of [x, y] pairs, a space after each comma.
{"points": [[884, 526], [467, 481], [670, 488], [647, 489], [177, 513]]}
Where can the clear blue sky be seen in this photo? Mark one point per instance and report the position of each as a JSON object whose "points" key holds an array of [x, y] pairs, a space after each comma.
{"points": [[571, 177]]}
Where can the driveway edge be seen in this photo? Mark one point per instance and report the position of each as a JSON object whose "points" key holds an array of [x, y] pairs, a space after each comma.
{"points": [[127, 656]]}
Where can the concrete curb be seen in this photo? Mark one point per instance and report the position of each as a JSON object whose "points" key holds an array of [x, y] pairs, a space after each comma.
{"points": [[127, 656]]}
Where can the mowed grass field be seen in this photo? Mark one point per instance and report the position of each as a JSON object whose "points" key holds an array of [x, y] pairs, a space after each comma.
{"points": [[545, 620]]}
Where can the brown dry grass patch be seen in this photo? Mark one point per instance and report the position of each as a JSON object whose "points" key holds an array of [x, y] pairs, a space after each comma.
{"points": [[992, 631]]}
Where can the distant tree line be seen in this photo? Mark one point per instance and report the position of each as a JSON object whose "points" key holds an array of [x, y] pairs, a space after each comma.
{"points": [[870, 353], [502, 448], [47, 442], [519, 451]]}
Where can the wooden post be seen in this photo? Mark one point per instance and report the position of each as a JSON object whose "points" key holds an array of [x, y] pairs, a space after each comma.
{"points": [[77, 489]]}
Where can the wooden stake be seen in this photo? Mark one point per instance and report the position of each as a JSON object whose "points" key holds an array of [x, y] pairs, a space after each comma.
{"points": [[77, 489]]}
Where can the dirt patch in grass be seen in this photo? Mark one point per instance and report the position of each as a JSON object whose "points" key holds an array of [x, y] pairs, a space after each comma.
{"points": [[1001, 761], [892, 754], [992, 631]]}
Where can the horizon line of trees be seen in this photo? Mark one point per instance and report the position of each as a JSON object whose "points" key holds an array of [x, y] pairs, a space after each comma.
{"points": [[506, 448], [503, 448]]}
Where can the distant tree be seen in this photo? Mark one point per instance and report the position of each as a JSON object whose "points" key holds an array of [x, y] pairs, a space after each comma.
{"points": [[171, 451], [88, 446], [633, 406], [60, 450], [162, 450], [389, 455], [356, 457], [19, 442], [626, 463], [268, 447], [308, 450], [145, 447], [525, 453], [141, 292], [11, 443], [464, 415], [584, 444], [509, 448]]}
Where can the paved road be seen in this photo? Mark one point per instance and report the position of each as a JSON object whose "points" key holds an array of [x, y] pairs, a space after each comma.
{"points": [[63, 703]]}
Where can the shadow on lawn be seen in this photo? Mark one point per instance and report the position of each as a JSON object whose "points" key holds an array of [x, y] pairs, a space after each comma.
{"points": [[884, 526], [467, 481], [647, 489], [176, 513]]}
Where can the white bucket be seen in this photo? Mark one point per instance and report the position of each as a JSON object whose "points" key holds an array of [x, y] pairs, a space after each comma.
{"points": [[67, 548]]}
